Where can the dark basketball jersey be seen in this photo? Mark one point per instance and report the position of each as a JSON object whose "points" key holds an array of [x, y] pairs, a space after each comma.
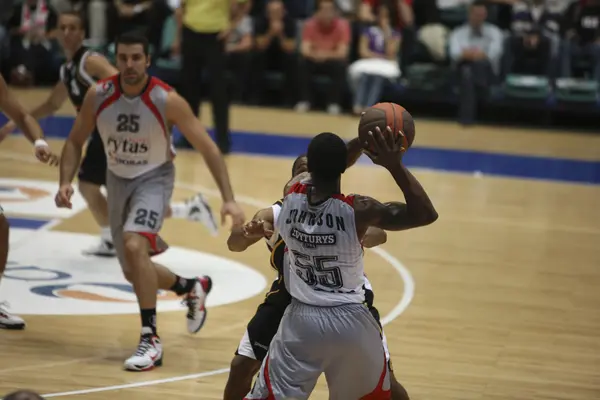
{"points": [[76, 78]]}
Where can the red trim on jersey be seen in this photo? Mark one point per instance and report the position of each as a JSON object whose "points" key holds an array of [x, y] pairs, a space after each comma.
{"points": [[154, 250], [151, 106], [298, 188], [346, 199], [270, 396], [379, 393], [113, 97]]}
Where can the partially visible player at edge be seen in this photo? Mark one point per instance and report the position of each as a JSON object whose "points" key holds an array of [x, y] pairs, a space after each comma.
{"points": [[326, 329], [263, 325], [81, 71], [134, 114], [32, 131]]}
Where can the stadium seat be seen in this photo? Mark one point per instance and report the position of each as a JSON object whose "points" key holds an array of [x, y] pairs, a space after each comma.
{"points": [[527, 87], [577, 90]]}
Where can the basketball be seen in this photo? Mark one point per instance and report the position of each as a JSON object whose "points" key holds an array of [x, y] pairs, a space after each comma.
{"points": [[383, 115]]}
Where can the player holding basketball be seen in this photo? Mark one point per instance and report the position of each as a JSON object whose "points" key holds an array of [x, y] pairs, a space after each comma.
{"points": [[134, 113], [81, 71], [263, 325], [32, 131], [326, 328]]}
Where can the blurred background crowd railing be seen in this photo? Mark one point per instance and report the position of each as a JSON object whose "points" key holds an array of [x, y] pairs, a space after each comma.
{"points": [[443, 56]]}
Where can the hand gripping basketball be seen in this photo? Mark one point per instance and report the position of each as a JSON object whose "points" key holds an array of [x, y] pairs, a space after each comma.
{"points": [[387, 148]]}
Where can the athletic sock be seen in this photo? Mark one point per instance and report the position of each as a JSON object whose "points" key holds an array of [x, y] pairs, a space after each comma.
{"points": [[149, 319], [105, 234], [183, 285]]}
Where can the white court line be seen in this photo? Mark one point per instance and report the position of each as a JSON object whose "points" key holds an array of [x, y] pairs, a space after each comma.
{"points": [[407, 296]]}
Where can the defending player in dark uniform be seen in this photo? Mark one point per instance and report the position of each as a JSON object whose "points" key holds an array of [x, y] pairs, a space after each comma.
{"points": [[33, 132], [82, 70], [264, 324]]}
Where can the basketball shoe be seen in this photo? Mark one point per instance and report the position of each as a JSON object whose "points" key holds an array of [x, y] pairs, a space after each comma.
{"points": [[148, 355], [104, 248], [8, 320], [195, 302], [197, 209]]}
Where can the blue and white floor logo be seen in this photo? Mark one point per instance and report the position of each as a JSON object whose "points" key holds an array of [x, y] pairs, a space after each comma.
{"points": [[48, 275]]}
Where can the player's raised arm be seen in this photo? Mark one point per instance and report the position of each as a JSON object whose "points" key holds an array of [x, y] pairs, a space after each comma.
{"points": [[355, 150], [179, 113], [53, 102], [374, 237], [31, 129], [394, 216], [84, 124], [244, 236], [98, 66]]}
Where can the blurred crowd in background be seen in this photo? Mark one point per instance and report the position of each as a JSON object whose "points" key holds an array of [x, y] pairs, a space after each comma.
{"points": [[333, 55]]}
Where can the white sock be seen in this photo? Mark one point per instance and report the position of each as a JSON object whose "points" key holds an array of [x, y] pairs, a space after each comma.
{"points": [[105, 234], [179, 210]]}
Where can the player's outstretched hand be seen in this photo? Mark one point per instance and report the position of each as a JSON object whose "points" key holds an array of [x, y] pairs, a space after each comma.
{"points": [[45, 155], [257, 229], [234, 210], [63, 196], [387, 147]]}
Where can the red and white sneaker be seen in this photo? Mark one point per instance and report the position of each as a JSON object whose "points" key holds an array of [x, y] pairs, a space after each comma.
{"points": [[8, 320], [148, 355], [195, 302]]}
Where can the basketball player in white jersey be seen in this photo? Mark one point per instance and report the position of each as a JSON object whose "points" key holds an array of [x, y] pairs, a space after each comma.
{"points": [[32, 131], [262, 327], [82, 70], [134, 113], [326, 328]]}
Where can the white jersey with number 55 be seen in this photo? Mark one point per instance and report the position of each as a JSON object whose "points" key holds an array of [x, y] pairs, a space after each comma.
{"points": [[324, 253], [134, 130]]}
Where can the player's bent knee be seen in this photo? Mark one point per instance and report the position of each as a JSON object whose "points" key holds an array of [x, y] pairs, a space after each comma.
{"points": [[89, 191], [135, 245], [243, 367]]}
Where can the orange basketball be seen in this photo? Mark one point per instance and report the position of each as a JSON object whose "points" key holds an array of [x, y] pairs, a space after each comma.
{"points": [[383, 115]]}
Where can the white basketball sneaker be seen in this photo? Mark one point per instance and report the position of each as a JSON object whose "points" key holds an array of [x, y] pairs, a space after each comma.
{"points": [[104, 248], [148, 355], [199, 210], [8, 320], [195, 302]]}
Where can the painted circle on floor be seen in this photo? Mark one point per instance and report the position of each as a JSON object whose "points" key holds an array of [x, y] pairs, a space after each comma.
{"points": [[55, 278]]}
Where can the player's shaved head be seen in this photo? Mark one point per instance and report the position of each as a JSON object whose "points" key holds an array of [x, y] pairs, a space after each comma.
{"points": [[327, 155], [300, 165]]}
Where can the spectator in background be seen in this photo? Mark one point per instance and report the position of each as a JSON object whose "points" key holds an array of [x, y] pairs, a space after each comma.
{"points": [[534, 35], [127, 15], [475, 50], [275, 46], [432, 33], [203, 28], [402, 18], [582, 36], [378, 50], [34, 55], [238, 49], [324, 50]]}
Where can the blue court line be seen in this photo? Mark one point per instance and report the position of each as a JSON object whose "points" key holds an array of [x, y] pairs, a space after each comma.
{"points": [[26, 223], [517, 166]]}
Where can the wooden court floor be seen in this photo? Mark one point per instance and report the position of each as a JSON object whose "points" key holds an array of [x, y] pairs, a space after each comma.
{"points": [[499, 299]]}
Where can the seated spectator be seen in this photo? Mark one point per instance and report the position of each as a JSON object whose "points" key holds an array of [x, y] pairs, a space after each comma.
{"points": [[431, 32], [582, 37], [402, 18], [127, 15], [378, 51], [534, 34], [238, 49], [34, 54], [475, 51], [324, 50], [275, 45]]}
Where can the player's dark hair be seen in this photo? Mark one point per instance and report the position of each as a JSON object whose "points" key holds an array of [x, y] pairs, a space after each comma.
{"points": [[23, 395], [295, 164], [133, 38], [327, 154], [78, 15]]}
